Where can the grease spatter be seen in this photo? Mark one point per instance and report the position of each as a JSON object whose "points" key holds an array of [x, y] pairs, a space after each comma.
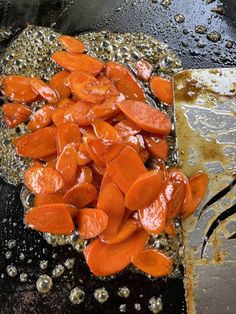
{"points": [[8, 254], [179, 18], [137, 306], [200, 29], [69, 263], [101, 295], [122, 308], [214, 36], [44, 283], [77, 295], [43, 264], [23, 277], [11, 271], [123, 292], [11, 243], [58, 271], [156, 305]]}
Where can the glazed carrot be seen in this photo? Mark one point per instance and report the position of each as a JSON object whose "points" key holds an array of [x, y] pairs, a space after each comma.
{"points": [[170, 229], [126, 127], [58, 83], [126, 168], [39, 144], [67, 165], [85, 174], [18, 88], [158, 147], [80, 195], [44, 90], [104, 130], [41, 118], [65, 102], [111, 201], [124, 81], [176, 202], [78, 62], [167, 189], [106, 150], [82, 155], [91, 222], [52, 218], [144, 69], [91, 153], [162, 89], [71, 44], [111, 90], [68, 133], [15, 113], [144, 190], [144, 155], [106, 259], [146, 117], [153, 262], [42, 199], [42, 180]]}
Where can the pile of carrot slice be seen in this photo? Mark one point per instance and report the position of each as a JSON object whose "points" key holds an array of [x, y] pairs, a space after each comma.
{"points": [[89, 144]]}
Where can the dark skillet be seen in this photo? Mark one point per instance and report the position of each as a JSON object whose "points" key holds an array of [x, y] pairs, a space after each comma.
{"points": [[76, 16]]}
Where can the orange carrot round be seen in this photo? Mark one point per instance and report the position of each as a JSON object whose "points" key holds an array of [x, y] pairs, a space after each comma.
{"points": [[71, 44], [80, 195], [126, 127], [68, 133], [157, 146], [105, 131], [58, 83], [15, 113], [176, 202], [42, 199], [41, 118], [44, 90], [162, 89]]}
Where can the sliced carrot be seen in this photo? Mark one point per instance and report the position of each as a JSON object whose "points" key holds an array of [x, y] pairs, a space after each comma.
{"points": [[176, 202], [111, 201], [15, 113], [80, 195], [124, 81], [167, 189], [68, 133], [162, 89], [18, 88], [78, 62], [82, 155], [108, 259], [157, 146], [44, 90], [146, 117], [65, 102], [58, 83], [144, 190], [126, 127], [144, 69], [170, 229], [105, 150], [42, 199], [111, 90], [71, 44], [41, 118], [91, 222], [126, 168], [51, 218], [85, 174], [52, 162], [42, 180], [39, 144], [153, 262], [144, 155], [67, 165], [105, 131]]}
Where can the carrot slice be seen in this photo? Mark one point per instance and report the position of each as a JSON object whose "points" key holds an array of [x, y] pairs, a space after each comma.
{"points": [[108, 259], [162, 89], [82, 155], [91, 222], [85, 175], [78, 62], [52, 218], [44, 90], [42, 199], [80, 195], [15, 113], [170, 229], [111, 201], [146, 117], [126, 168], [58, 83], [41, 118], [176, 202], [144, 70], [106, 150], [124, 81], [144, 190], [42, 180], [67, 165], [68, 133], [71, 44], [111, 90], [18, 88], [153, 262], [126, 127], [39, 144], [144, 155], [157, 146], [105, 131]]}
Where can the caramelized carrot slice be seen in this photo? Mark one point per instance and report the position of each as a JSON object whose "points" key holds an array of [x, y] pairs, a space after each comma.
{"points": [[105, 131], [124, 81], [15, 113], [91, 222], [126, 168], [111, 201], [65, 102], [108, 259], [146, 117], [82, 155], [67, 165], [18, 88], [40, 144], [78, 62], [58, 83], [71, 44], [176, 202], [126, 127], [41, 88], [68, 133], [144, 190], [80, 195], [153, 262], [106, 150], [85, 175], [42, 180], [111, 90], [144, 70], [170, 229], [41, 118], [42, 199], [162, 89], [157, 146], [52, 218]]}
